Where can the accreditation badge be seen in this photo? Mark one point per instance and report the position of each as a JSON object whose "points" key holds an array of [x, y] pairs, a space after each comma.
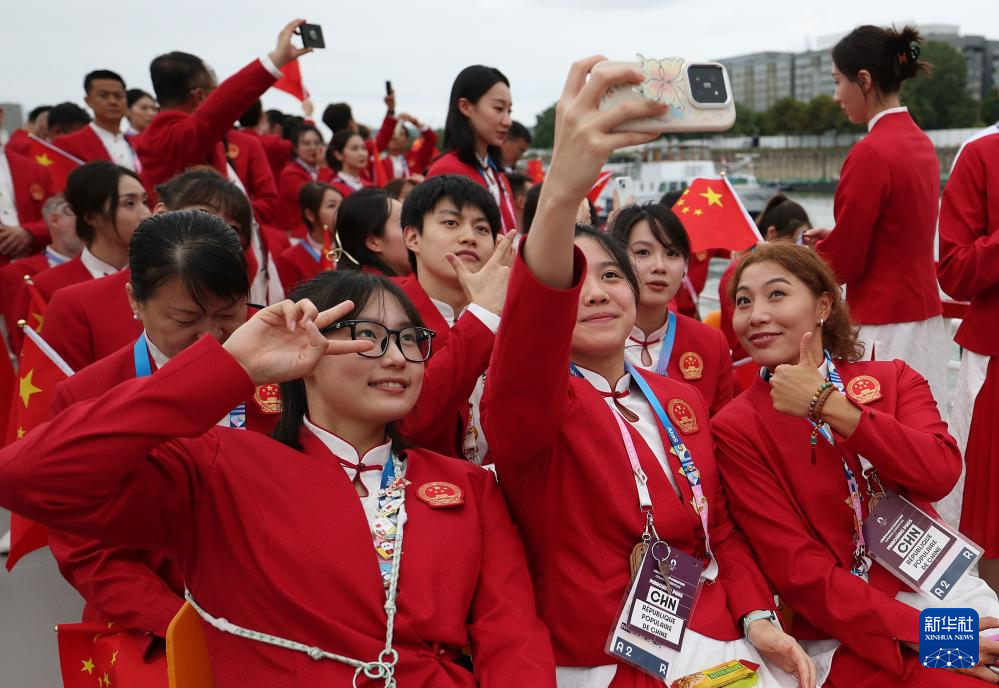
{"points": [[918, 549], [657, 609]]}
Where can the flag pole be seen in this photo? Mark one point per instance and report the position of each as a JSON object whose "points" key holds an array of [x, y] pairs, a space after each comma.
{"points": [[45, 347]]}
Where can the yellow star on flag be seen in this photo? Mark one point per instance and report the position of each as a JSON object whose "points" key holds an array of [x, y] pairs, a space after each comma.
{"points": [[107, 681], [27, 388], [88, 665], [114, 657], [680, 201], [41, 321], [686, 209], [20, 433], [44, 160], [713, 198], [698, 212]]}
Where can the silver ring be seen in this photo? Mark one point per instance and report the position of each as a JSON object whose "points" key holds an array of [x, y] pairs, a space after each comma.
{"points": [[993, 668]]}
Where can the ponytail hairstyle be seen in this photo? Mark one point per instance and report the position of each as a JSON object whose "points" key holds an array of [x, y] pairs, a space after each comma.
{"points": [[839, 334], [784, 215], [890, 56], [337, 144], [362, 214], [92, 190], [326, 290], [470, 84]]}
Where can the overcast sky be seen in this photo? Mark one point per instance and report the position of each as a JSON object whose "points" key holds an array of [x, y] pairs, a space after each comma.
{"points": [[421, 46]]}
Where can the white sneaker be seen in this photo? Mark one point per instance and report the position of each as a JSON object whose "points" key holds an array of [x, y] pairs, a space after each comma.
{"points": [[5, 543]]}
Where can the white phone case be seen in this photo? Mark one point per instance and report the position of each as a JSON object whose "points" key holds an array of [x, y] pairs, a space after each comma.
{"points": [[666, 82]]}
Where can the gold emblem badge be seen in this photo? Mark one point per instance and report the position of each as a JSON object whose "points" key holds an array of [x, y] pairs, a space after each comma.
{"points": [[691, 365], [682, 414], [268, 398], [439, 495], [864, 389], [232, 152], [37, 192]]}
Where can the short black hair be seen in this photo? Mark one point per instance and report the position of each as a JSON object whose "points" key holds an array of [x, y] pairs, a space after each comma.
{"points": [[310, 197], [783, 214], [301, 130], [92, 189], [663, 223], [890, 55], [289, 124], [337, 116], [88, 80], [194, 246], [66, 115], [174, 76], [519, 131], [275, 117], [134, 95], [616, 251], [362, 214], [203, 186], [326, 290], [471, 84], [33, 115], [518, 182], [337, 144], [456, 188], [670, 198], [251, 117]]}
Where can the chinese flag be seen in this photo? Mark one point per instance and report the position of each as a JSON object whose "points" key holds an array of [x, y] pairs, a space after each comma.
{"points": [[104, 655], [58, 162], [39, 370], [598, 186], [291, 82], [714, 217], [36, 306], [377, 169], [536, 171]]}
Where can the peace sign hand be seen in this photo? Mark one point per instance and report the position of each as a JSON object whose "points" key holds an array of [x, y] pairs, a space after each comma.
{"points": [[792, 387], [487, 287], [283, 342]]}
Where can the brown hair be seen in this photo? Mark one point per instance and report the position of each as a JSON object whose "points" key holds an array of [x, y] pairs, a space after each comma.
{"points": [[839, 334]]}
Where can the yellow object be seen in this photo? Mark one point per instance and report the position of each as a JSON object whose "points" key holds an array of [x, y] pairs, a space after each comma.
{"points": [[187, 655], [713, 319], [735, 674]]}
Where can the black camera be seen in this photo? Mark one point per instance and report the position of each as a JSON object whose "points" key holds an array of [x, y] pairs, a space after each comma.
{"points": [[707, 84]]}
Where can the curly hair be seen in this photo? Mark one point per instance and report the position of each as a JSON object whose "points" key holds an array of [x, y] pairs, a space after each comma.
{"points": [[839, 333]]}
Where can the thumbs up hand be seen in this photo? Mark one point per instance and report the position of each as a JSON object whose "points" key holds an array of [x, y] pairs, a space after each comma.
{"points": [[792, 387]]}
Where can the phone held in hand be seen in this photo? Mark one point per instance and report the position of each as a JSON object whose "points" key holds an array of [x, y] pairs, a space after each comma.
{"points": [[625, 188], [388, 88], [312, 36], [699, 95]]}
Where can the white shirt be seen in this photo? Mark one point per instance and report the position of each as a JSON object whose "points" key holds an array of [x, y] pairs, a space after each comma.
{"points": [[117, 146], [53, 257], [633, 349], [377, 456], [350, 180], [890, 111], [491, 181], [8, 203], [95, 266], [474, 445]]}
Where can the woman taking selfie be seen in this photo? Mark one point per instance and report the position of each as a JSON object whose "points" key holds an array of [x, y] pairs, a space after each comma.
{"points": [[809, 450]]}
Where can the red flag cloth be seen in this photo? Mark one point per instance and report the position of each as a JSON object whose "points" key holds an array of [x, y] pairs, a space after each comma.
{"points": [[58, 162], [103, 655], [291, 82], [598, 186], [39, 370], [536, 171], [36, 306], [714, 217], [380, 176]]}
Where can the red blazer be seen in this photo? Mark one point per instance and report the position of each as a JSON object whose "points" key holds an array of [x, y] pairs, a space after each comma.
{"points": [[86, 322], [291, 180], [176, 140], [969, 241], [86, 145], [449, 163], [346, 189], [459, 355], [19, 142], [278, 149], [285, 530], [565, 474], [249, 161], [886, 215], [715, 382], [47, 282], [32, 187], [11, 278], [417, 157], [296, 265], [795, 516]]}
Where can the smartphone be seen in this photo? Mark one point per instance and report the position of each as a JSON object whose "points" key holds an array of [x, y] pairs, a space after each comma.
{"points": [[699, 95], [625, 188], [388, 88], [312, 36]]}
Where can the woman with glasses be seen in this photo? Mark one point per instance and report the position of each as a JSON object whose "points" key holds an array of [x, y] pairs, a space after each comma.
{"points": [[305, 166], [323, 556]]}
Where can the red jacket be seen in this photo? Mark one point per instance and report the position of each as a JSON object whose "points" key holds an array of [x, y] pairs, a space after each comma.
{"points": [[176, 140], [346, 189], [417, 157], [249, 161], [32, 187], [11, 278], [296, 264], [278, 149], [886, 216], [564, 471], [795, 516], [19, 142], [86, 322], [47, 283], [969, 241], [249, 518], [86, 145], [291, 180], [449, 163]]}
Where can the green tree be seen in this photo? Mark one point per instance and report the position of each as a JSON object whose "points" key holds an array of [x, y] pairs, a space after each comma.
{"points": [[990, 108], [786, 116], [746, 122], [940, 100], [825, 115], [543, 135]]}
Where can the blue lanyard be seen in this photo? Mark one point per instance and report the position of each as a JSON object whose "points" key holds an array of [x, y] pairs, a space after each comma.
{"points": [[313, 172], [308, 247], [54, 258], [667, 349]]}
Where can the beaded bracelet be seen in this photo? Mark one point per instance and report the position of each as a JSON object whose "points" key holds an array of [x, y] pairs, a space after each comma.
{"points": [[814, 408], [815, 398], [820, 404]]}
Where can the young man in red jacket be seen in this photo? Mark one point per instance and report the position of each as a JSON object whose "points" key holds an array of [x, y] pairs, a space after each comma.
{"points": [[103, 138]]}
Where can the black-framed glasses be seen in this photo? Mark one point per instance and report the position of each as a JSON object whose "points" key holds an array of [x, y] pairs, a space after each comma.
{"points": [[413, 342]]}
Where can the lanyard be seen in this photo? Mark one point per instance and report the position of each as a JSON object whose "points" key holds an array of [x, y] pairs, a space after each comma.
{"points": [[386, 531], [313, 172], [54, 258], [500, 193], [140, 354], [679, 448], [311, 249]]}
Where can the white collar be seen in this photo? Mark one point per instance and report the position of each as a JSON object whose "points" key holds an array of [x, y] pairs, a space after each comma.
{"points": [[483, 161], [350, 180], [159, 358], [890, 111], [55, 256], [95, 266], [313, 243], [445, 310], [340, 447], [601, 384], [637, 333], [104, 133]]}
